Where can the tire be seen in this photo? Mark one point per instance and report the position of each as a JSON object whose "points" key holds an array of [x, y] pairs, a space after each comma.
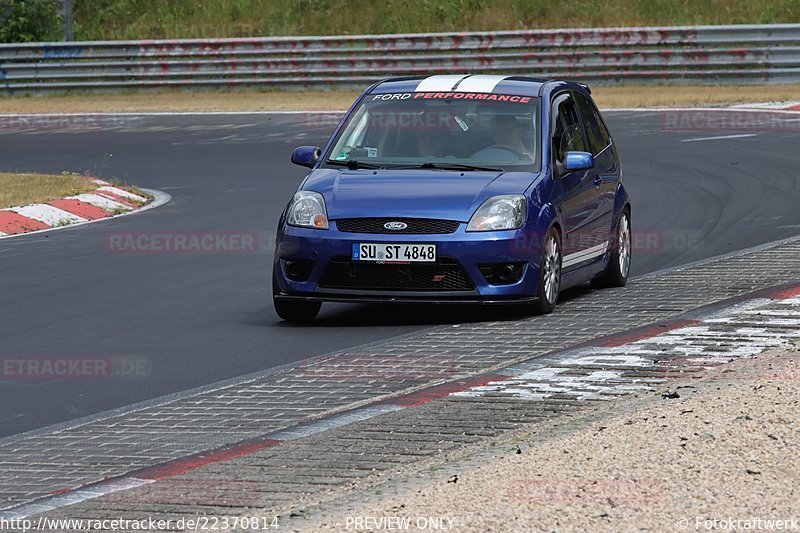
{"points": [[294, 311], [549, 274], [619, 264]]}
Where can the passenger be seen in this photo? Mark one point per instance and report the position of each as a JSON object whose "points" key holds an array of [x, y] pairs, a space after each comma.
{"points": [[433, 144]]}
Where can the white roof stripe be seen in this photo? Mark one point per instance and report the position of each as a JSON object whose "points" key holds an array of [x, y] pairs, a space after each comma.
{"points": [[439, 83], [480, 83]]}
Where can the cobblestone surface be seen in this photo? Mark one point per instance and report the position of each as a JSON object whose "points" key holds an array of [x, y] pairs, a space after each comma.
{"points": [[311, 465]]}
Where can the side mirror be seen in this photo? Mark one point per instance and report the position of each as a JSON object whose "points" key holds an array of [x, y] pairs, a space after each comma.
{"points": [[578, 161], [306, 156]]}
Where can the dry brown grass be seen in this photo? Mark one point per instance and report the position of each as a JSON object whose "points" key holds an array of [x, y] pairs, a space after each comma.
{"points": [[660, 96], [23, 189], [607, 97], [179, 101]]}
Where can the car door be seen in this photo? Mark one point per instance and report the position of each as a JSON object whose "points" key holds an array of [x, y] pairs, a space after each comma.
{"points": [[606, 171], [579, 193]]}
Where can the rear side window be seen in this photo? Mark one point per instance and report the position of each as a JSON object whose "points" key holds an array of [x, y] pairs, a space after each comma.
{"points": [[568, 134], [596, 131]]}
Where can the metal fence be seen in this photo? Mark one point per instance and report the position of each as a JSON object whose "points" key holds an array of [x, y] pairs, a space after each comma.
{"points": [[698, 54]]}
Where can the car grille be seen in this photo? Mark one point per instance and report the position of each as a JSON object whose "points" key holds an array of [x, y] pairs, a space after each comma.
{"points": [[419, 226], [445, 275]]}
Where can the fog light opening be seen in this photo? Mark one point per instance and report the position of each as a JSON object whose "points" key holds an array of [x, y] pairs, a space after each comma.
{"points": [[298, 270], [502, 273], [509, 273]]}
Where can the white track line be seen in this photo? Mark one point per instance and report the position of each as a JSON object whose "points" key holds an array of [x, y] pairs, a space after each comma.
{"points": [[719, 137], [342, 111]]}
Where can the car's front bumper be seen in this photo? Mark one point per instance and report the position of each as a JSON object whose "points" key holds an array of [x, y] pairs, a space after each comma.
{"points": [[469, 249]]}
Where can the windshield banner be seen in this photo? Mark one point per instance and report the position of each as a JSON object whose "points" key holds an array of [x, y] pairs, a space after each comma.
{"points": [[487, 97]]}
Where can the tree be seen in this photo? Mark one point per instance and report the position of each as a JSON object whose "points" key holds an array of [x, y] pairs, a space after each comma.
{"points": [[30, 20]]}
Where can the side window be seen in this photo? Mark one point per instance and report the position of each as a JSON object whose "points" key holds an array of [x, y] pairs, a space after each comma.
{"points": [[568, 134], [596, 131]]}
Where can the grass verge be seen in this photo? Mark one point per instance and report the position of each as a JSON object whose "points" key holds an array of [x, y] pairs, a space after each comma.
{"points": [[140, 19], [166, 101], [23, 189]]}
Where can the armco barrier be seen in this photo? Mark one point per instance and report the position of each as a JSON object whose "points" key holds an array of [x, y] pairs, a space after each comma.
{"points": [[697, 54]]}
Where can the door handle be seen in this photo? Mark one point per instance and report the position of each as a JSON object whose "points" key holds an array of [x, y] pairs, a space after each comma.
{"points": [[598, 180]]}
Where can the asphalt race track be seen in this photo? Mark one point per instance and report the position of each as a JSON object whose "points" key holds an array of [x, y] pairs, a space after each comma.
{"points": [[189, 319]]}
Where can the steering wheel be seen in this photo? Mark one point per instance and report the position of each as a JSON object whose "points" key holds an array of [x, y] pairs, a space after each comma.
{"points": [[517, 154]]}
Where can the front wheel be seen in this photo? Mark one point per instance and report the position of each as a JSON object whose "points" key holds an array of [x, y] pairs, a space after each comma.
{"points": [[294, 311], [299, 311], [619, 265], [549, 274]]}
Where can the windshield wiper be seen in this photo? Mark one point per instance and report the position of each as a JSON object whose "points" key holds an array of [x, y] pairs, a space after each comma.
{"points": [[457, 166], [353, 164]]}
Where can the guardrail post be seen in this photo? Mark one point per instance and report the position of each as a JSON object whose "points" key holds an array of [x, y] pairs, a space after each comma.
{"points": [[67, 6]]}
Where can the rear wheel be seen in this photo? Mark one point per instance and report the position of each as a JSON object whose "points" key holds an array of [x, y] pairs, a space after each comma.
{"points": [[294, 311], [549, 274], [619, 265]]}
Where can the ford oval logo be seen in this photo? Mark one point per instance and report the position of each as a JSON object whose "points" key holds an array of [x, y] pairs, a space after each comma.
{"points": [[396, 225]]}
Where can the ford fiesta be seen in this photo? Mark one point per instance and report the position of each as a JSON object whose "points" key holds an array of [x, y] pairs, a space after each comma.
{"points": [[456, 189]]}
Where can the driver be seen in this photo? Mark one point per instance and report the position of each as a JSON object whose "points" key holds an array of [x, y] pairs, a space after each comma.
{"points": [[507, 132]]}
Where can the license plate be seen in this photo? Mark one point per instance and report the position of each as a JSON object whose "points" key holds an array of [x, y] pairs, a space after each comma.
{"points": [[394, 253]]}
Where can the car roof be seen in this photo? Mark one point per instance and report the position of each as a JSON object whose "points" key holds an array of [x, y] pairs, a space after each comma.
{"points": [[479, 83]]}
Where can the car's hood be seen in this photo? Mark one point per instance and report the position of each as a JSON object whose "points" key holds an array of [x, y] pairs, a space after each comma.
{"points": [[444, 194]]}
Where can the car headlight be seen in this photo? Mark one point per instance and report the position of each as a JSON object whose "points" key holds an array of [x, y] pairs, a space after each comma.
{"points": [[307, 210], [500, 213]]}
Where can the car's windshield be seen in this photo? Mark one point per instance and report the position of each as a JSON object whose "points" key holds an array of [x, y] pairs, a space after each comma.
{"points": [[440, 130]]}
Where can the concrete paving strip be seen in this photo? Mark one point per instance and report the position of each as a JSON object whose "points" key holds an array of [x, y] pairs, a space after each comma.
{"points": [[245, 425]]}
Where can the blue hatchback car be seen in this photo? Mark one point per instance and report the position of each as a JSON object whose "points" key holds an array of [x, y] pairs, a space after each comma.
{"points": [[456, 189]]}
